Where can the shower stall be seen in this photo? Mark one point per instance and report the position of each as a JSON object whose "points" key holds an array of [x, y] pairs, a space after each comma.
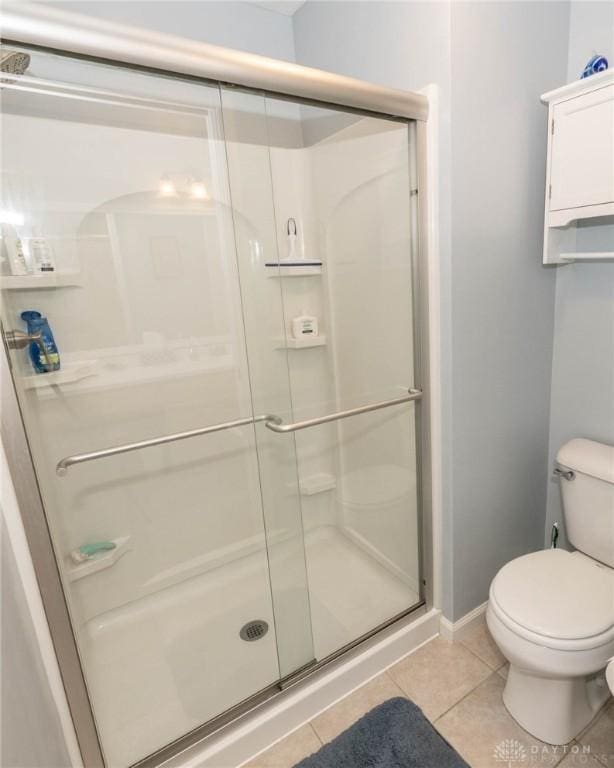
{"points": [[225, 482]]}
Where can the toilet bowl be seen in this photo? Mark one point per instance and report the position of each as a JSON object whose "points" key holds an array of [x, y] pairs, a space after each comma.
{"points": [[552, 613]]}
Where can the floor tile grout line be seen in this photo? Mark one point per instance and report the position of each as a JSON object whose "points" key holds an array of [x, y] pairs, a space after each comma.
{"points": [[581, 743], [449, 709], [477, 655], [588, 728], [459, 642], [316, 734], [591, 756], [401, 694], [406, 695], [565, 754]]}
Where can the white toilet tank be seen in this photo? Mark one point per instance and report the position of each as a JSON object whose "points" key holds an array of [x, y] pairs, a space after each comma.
{"points": [[588, 499]]}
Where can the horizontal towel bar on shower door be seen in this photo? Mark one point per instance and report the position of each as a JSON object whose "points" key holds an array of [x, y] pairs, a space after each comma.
{"points": [[272, 422], [277, 425], [79, 458]]}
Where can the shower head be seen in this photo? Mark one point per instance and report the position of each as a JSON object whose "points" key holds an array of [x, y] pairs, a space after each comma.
{"points": [[13, 62]]}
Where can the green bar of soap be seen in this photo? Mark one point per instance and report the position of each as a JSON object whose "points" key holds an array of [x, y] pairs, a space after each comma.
{"points": [[89, 550]]}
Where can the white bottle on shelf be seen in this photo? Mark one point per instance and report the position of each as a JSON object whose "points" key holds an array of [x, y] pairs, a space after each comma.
{"points": [[41, 255], [304, 326], [14, 252]]}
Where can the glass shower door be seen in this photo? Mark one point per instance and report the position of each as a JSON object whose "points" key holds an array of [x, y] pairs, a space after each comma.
{"points": [[247, 136], [225, 275], [330, 194], [117, 227], [363, 554]]}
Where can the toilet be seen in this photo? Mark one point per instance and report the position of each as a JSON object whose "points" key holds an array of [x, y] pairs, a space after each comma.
{"points": [[552, 613]]}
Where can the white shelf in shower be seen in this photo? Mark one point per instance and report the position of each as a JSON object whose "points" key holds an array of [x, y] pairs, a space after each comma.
{"points": [[310, 341], [37, 282], [66, 375], [294, 270], [318, 483]]}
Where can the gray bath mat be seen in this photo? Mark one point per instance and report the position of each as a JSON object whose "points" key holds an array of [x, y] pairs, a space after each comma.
{"points": [[393, 735]]}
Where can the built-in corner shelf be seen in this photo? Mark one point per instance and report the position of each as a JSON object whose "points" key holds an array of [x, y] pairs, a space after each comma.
{"points": [[100, 562], [70, 373], [34, 282], [302, 268], [304, 343]]}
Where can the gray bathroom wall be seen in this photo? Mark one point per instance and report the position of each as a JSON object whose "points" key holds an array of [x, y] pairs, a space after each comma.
{"points": [[583, 365], [493, 60], [502, 297], [230, 23], [583, 361], [591, 31]]}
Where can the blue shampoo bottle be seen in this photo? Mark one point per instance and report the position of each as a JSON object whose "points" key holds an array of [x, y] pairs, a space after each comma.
{"points": [[49, 359]]}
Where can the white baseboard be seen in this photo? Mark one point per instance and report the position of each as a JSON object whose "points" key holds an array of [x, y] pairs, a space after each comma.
{"points": [[251, 734], [455, 631]]}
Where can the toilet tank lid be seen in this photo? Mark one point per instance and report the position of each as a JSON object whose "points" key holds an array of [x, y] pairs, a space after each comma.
{"points": [[588, 457]]}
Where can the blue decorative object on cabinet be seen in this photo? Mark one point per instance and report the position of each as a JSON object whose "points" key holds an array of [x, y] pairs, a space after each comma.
{"points": [[596, 64]]}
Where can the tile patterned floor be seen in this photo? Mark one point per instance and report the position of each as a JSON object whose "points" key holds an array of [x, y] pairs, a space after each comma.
{"points": [[459, 687]]}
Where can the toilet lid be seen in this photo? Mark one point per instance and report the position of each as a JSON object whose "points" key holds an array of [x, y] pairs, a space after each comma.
{"points": [[557, 594]]}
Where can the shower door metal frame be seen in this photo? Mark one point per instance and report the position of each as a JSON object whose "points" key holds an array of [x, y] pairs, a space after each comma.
{"points": [[77, 35]]}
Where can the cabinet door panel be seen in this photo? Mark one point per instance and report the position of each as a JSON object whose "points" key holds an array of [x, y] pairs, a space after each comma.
{"points": [[582, 160]]}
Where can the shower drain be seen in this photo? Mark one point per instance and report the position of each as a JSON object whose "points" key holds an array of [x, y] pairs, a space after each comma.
{"points": [[253, 630]]}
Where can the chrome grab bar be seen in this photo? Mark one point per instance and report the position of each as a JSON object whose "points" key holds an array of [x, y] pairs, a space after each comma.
{"points": [[274, 423], [79, 458]]}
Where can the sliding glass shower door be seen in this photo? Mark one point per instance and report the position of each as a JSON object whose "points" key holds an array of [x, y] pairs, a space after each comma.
{"points": [[324, 217], [120, 180], [205, 292]]}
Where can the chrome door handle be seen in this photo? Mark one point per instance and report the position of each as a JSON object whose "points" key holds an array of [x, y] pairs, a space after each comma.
{"points": [[21, 340]]}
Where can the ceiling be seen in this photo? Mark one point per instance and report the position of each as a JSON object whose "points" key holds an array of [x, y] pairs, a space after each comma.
{"points": [[287, 7]]}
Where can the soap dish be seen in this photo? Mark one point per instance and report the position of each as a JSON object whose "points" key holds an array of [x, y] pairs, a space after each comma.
{"points": [[96, 563]]}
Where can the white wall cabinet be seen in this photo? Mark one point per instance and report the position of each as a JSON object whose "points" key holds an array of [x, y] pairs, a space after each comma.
{"points": [[580, 170]]}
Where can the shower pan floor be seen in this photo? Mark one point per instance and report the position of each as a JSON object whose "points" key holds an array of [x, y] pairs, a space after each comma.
{"points": [[152, 663], [350, 592]]}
